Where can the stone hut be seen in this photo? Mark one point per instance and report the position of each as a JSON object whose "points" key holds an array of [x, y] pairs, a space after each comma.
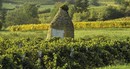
{"points": [[61, 26]]}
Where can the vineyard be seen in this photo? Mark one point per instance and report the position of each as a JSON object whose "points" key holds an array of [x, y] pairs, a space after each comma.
{"points": [[119, 23], [101, 34], [125, 66], [30, 1], [36, 53]]}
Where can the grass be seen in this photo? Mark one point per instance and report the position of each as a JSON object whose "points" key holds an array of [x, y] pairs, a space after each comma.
{"points": [[7, 34], [12, 6], [9, 5], [114, 33], [42, 7], [122, 19], [126, 66]]}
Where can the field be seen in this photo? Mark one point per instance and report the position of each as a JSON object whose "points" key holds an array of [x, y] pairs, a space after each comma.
{"points": [[106, 41], [96, 44], [126, 66], [90, 45], [9, 5], [42, 6], [33, 41], [12, 6], [114, 33]]}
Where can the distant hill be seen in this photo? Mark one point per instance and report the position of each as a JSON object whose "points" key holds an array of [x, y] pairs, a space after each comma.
{"points": [[106, 0], [30, 1], [45, 1]]}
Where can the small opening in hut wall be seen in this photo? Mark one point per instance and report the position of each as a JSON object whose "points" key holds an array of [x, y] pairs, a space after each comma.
{"points": [[58, 33]]}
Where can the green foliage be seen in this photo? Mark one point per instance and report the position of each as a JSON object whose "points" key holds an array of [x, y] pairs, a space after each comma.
{"points": [[106, 13], [124, 66], [56, 8], [60, 5], [82, 53], [78, 17], [118, 1], [0, 25], [30, 1], [44, 11], [81, 5], [26, 14], [71, 10], [64, 1], [94, 2], [65, 7], [30, 9], [110, 13], [0, 14], [45, 18], [2, 18], [126, 5], [0, 4], [127, 11], [117, 23], [93, 16]]}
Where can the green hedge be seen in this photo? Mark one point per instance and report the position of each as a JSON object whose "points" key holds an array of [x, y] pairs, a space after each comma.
{"points": [[0, 25], [67, 53]]}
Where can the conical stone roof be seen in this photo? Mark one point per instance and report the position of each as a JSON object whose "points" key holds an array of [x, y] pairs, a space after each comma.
{"points": [[61, 25]]}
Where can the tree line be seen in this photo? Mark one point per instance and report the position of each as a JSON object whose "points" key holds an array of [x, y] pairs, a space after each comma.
{"points": [[78, 10]]}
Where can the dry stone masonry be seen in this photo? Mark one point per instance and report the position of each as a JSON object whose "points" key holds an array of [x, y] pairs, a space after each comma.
{"points": [[61, 25]]}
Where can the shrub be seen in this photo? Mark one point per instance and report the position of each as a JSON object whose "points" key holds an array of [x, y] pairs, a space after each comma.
{"points": [[78, 17], [93, 15], [104, 13], [77, 25], [28, 27], [23, 15], [56, 53], [0, 25], [127, 11], [45, 18], [56, 8], [44, 11], [125, 7], [81, 5], [118, 1], [71, 10], [94, 2], [112, 13]]}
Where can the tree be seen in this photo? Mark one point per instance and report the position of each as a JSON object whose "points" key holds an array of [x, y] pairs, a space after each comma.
{"points": [[0, 4], [56, 8], [81, 5], [0, 14], [0, 25], [110, 13], [27, 14], [125, 7], [70, 1], [94, 2], [71, 10], [118, 1], [30, 9]]}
